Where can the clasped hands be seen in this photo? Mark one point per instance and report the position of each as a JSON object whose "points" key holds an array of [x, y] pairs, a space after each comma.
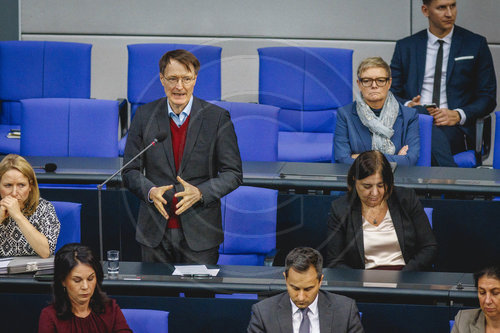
{"points": [[190, 196], [9, 206], [442, 116]]}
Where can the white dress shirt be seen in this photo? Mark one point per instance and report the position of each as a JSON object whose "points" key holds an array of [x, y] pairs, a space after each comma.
{"points": [[313, 316], [430, 68]]}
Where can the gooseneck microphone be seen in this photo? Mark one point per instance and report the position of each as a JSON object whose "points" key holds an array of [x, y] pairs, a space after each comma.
{"points": [[159, 138], [48, 167]]}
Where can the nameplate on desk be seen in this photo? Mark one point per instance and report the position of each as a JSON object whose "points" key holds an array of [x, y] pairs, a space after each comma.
{"points": [[380, 285]]}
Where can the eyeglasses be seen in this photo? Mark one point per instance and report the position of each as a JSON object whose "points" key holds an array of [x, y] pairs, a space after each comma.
{"points": [[380, 81], [185, 80]]}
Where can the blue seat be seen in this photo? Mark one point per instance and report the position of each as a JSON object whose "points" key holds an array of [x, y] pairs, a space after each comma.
{"points": [[68, 214], [307, 84], [144, 84], [256, 127], [38, 69], [474, 157], [146, 321], [428, 212], [496, 152], [425, 132], [249, 224], [69, 127]]}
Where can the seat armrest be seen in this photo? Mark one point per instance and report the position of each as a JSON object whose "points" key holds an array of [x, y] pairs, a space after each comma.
{"points": [[483, 138]]}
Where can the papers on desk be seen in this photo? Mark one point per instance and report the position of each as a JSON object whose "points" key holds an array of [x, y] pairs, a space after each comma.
{"points": [[25, 264], [196, 271]]}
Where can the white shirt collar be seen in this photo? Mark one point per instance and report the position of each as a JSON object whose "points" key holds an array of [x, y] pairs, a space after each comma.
{"points": [[433, 38], [313, 307]]}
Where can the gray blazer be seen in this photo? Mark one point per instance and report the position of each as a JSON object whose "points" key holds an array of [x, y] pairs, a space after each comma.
{"points": [[469, 321], [337, 314], [211, 162]]}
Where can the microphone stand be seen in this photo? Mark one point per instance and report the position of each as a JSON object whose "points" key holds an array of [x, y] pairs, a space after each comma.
{"points": [[99, 190]]}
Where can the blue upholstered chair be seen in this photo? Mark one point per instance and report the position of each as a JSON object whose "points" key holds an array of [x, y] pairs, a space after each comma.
{"points": [[496, 152], [428, 212], [69, 127], [68, 214], [249, 224], [256, 127], [38, 69], [474, 157], [307, 84], [144, 84], [146, 321], [425, 132]]}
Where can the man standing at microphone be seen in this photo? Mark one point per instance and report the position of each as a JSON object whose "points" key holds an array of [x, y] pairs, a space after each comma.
{"points": [[180, 182]]}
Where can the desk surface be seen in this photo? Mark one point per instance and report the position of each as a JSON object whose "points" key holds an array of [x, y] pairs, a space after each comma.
{"points": [[138, 278], [288, 175]]}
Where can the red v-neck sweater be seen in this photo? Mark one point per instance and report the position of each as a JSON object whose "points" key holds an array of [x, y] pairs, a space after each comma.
{"points": [[178, 135]]}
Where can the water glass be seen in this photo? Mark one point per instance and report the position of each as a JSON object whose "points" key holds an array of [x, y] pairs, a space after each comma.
{"points": [[113, 262]]}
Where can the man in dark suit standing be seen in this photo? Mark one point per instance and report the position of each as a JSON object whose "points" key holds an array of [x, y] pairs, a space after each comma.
{"points": [[305, 308], [450, 67], [180, 182]]}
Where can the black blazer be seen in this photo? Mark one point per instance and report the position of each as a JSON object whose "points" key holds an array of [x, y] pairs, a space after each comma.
{"points": [[337, 314], [345, 246], [211, 162]]}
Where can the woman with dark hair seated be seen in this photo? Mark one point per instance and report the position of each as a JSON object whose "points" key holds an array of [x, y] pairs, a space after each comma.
{"points": [[377, 225], [79, 304], [28, 223], [487, 318]]}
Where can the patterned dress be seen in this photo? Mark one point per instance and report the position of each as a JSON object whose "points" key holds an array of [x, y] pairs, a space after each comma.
{"points": [[44, 219]]}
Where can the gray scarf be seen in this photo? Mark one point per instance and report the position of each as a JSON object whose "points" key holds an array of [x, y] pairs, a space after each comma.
{"points": [[380, 127]]}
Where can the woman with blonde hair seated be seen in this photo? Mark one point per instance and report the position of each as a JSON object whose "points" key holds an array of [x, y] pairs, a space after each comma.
{"points": [[376, 120], [28, 224]]}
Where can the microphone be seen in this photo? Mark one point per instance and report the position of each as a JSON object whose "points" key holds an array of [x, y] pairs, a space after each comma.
{"points": [[159, 138], [48, 167]]}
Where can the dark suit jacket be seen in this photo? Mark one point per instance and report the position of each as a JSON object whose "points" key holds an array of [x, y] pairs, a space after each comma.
{"points": [[337, 314], [211, 162], [352, 137], [470, 83], [469, 321], [345, 246]]}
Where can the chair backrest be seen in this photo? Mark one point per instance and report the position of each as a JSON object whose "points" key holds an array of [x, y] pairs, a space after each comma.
{"points": [[496, 152], [428, 212], [39, 69], [145, 320], [307, 83], [144, 84], [256, 127], [68, 214], [249, 223], [425, 132], [69, 127]]}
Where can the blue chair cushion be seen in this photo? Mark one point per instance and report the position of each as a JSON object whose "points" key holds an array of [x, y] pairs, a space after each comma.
{"points": [[425, 132], [68, 214], [241, 259], [256, 128], [466, 159], [305, 147], [145, 320], [144, 84]]}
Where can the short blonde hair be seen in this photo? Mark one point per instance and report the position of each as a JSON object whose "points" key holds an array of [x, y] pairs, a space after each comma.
{"points": [[373, 62], [16, 162]]}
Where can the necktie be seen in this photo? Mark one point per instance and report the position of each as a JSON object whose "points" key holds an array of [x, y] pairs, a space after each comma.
{"points": [[436, 91], [305, 323]]}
